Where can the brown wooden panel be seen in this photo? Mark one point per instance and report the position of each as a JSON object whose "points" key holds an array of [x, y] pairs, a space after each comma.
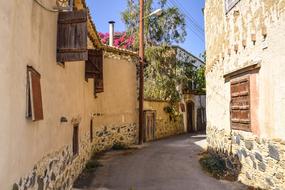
{"points": [[240, 104], [75, 140], [94, 64], [149, 125], [35, 95], [91, 130], [72, 36], [94, 69]]}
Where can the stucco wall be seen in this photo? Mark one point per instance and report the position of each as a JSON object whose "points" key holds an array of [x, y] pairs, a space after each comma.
{"points": [[230, 47], [223, 32], [165, 126], [28, 37]]}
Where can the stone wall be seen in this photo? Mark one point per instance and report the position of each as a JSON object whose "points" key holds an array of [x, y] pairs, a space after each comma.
{"points": [[59, 169], [165, 126], [106, 136], [262, 159]]}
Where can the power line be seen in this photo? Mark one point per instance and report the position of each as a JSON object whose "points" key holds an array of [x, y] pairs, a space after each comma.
{"points": [[189, 17], [194, 30], [188, 14]]}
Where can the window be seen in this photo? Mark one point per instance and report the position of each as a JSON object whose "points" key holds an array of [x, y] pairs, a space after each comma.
{"points": [[91, 130], [240, 104], [229, 4], [34, 104], [75, 143]]}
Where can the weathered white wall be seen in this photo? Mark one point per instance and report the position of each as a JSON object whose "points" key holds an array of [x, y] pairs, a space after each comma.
{"points": [[28, 37], [260, 152], [223, 32]]}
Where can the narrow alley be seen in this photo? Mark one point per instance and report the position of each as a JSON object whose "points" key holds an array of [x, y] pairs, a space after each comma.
{"points": [[166, 164]]}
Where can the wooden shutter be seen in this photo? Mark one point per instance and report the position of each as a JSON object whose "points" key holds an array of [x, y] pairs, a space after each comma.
{"points": [[72, 36], [240, 104], [94, 69], [34, 103]]}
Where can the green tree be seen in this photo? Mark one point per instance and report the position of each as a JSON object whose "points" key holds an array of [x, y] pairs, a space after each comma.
{"points": [[166, 29], [163, 73]]}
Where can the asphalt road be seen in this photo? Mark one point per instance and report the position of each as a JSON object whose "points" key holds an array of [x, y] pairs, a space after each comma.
{"points": [[170, 164]]}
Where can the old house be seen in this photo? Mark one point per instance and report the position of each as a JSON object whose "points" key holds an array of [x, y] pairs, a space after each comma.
{"points": [[193, 102], [245, 93], [63, 94]]}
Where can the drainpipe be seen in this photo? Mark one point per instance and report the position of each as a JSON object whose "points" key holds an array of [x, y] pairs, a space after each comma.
{"points": [[111, 33]]}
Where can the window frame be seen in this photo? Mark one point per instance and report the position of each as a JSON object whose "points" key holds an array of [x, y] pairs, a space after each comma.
{"points": [[34, 103]]}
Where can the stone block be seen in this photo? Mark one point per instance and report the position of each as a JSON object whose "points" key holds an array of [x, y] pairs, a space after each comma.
{"points": [[258, 156], [244, 153], [248, 175], [273, 152], [279, 175], [248, 144], [261, 167], [269, 182]]}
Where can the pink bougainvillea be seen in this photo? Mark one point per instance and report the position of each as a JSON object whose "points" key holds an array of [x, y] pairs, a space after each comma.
{"points": [[121, 39]]}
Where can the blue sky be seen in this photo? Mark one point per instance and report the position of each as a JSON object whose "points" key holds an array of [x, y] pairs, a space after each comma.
{"points": [[105, 10]]}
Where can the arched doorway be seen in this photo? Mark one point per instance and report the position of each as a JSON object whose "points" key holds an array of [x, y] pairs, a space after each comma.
{"points": [[190, 117]]}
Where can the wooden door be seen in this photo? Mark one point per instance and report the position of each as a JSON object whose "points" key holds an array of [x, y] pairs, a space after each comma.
{"points": [[190, 117], [149, 125]]}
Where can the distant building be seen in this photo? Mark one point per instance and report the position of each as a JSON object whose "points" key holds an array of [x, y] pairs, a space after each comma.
{"points": [[193, 105], [245, 89]]}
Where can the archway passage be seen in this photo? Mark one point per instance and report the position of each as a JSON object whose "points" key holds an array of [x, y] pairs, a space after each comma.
{"points": [[190, 117]]}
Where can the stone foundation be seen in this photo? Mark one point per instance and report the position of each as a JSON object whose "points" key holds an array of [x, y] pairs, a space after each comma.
{"points": [[106, 136], [58, 170], [262, 160]]}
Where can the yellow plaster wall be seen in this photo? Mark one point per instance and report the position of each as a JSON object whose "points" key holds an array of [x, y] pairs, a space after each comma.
{"points": [[28, 37], [164, 126]]}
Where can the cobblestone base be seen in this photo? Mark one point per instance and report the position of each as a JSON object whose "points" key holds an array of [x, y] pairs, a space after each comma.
{"points": [[262, 160], [58, 170]]}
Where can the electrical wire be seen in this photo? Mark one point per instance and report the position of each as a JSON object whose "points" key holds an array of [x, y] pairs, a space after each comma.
{"points": [[187, 14], [44, 7], [188, 25], [190, 19]]}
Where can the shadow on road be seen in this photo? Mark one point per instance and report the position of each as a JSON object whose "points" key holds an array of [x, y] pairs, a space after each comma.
{"points": [[168, 164]]}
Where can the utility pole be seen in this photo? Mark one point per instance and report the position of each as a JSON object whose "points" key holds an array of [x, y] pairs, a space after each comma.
{"points": [[141, 88]]}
